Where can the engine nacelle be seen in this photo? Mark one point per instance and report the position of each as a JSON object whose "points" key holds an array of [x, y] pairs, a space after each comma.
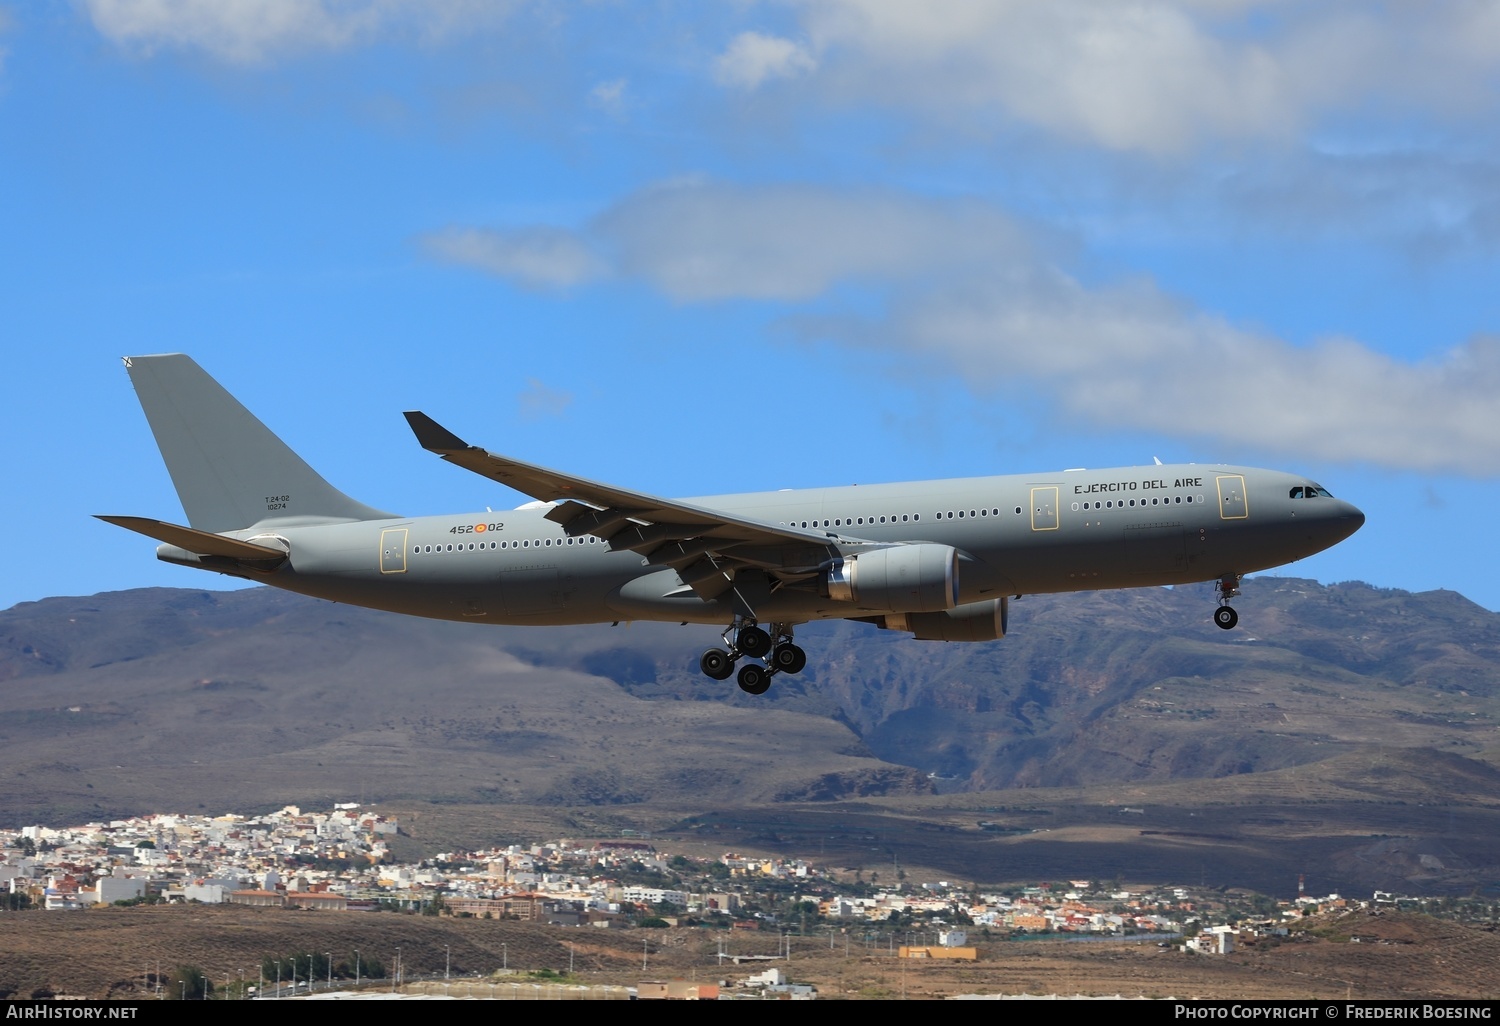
{"points": [[921, 578], [973, 621]]}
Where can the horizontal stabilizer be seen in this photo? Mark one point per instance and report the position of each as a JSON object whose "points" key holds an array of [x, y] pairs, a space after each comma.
{"points": [[201, 542]]}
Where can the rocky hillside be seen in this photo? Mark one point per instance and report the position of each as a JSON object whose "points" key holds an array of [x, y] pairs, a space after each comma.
{"points": [[189, 699]]}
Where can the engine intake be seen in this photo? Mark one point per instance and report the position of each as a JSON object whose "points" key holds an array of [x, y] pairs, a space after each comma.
{"points": [[919, 578]]}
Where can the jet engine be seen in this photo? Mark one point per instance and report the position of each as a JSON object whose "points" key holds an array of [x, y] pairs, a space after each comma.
{"points": [[973, 621], [921, 578]]}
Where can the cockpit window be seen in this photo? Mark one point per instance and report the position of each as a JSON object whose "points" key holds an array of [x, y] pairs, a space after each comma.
{"points": [[1310, 492], [1297, 492]]}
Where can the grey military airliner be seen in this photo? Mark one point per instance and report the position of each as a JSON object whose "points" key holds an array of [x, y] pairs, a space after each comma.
{"points": [[937, 559]]}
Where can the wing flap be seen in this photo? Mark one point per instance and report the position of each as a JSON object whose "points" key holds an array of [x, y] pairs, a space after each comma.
{"points": [[708, 579]]}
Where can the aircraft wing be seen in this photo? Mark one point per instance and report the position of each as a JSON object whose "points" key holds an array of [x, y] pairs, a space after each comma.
{"points": [[705, 546]]}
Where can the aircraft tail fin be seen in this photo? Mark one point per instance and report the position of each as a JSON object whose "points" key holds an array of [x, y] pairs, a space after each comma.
{"points": [[230, 470]]}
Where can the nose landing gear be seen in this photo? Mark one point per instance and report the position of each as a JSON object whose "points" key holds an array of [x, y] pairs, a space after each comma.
{"points": [[1227, 587], [775, 646]]}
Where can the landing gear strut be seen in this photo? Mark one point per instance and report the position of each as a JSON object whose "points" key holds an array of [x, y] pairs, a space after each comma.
{"points": [[753, 641], [1227, 587]]}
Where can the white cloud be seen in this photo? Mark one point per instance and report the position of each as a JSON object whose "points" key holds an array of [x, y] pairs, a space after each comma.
{"points": [[536, 257], [252, 31], [704, 241], [753, 58], [1154, 76], [967, 290], [538, 401], [609, 96], [1128, 356]]}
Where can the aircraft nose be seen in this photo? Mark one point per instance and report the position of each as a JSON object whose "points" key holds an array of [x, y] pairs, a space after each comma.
{"points": [[1356, 518], [1345, 518]]}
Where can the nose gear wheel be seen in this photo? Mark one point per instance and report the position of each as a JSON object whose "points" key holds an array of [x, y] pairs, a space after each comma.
{"points": [[1227, 588]]}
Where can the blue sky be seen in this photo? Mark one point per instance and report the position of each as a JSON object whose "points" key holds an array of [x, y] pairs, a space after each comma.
{"points": [[696, 248]]}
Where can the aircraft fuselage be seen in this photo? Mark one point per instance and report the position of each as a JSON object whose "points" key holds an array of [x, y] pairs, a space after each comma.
{"points": [[1069, 531]]}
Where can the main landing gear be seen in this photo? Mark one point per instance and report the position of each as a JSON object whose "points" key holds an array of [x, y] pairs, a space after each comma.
{"points": [[774, 646], [1227, 587]]}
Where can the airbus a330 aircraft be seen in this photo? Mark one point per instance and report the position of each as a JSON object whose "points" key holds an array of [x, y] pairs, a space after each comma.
{"points": [[940, 559]]}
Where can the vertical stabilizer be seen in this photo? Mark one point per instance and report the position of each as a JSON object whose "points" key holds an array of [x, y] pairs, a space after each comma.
{"points": [[230, 471]]}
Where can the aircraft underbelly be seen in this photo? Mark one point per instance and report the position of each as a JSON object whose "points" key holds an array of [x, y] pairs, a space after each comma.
{"points": [[532, 590]]}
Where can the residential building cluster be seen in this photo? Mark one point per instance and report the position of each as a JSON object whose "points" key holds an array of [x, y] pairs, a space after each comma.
{"points": [[341, 860]]}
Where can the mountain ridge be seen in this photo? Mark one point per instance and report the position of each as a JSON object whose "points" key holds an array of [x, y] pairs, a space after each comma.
{"points": [[1380, 704]]}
